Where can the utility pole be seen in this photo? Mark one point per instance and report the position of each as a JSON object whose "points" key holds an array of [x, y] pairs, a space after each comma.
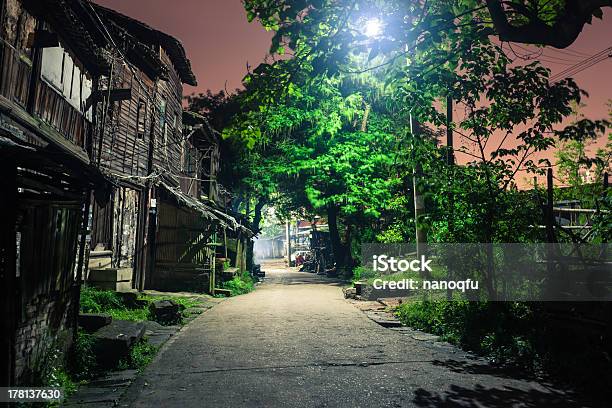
{"points": [[288, 237], [450, 155], [450, 161], [419, 202]]}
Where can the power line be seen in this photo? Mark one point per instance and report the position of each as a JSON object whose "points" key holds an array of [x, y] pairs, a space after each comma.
{"points": [[584, 64]]}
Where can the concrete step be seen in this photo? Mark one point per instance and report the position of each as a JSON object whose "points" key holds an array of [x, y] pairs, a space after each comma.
{"points": [[103, 392], [94, 321], [113, 342], [110, 274], [384, 319], [100, 259]]}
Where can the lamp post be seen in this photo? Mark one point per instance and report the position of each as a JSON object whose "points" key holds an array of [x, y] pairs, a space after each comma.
{"points": [[373, 28]]}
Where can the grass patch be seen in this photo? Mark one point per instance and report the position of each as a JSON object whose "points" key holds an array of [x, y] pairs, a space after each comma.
{"points": [[83, 365], [140, 356], [518, 334], [240, 284], [184, 302], [105, 301], [99, 301]]}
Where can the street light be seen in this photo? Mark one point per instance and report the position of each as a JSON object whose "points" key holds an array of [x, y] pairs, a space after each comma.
{"points": [[373, 27]]}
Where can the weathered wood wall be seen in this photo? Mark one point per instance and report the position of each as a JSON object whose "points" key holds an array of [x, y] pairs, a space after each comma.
{"points": [[125, 135], [47, 239], [181, 247]]}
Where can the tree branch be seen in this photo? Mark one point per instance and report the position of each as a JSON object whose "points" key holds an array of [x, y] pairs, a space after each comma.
{"points": [[561, 34]]}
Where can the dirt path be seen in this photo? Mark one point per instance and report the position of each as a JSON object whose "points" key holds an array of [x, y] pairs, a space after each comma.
{"points": [[295, 342]]}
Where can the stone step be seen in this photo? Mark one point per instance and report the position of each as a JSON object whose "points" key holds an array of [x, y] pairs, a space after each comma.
{"points": [[124, 286], [384, 319], [103, 392], [94, 321], [113, 342], [165, 311], [110, 274], [224, 292], [100, 259], [87, 396], [116, 379]]}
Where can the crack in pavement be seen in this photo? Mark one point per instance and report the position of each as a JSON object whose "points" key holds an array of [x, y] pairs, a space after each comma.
{"points": [[313, 365]]}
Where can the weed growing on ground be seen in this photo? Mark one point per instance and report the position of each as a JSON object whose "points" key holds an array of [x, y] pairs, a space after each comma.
{"points": [[83, 365], [98, 301], [514, 333], [241, 284], [105, 301], [140, 356]]}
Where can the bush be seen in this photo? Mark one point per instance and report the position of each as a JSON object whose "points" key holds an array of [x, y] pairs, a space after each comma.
{"points": [[99, 301], [516, 333], [504, 332], [140, 356], [83, 365], [362, 273], [240, 284]]}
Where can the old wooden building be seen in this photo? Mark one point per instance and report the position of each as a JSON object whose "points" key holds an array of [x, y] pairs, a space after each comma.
{"points": [[49, 64], [99, 173]]}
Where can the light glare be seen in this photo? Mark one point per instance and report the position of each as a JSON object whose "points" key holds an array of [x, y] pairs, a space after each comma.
{"points": [[373, 27]]}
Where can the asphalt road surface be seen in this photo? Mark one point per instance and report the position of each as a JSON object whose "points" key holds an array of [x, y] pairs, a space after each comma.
{"points": [[296, 342]]}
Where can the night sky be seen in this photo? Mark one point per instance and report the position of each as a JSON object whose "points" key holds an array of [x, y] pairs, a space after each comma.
{"points": [[220, 42]]}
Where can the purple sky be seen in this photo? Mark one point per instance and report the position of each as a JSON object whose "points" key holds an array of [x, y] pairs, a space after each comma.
{"points": [[220, 42]]}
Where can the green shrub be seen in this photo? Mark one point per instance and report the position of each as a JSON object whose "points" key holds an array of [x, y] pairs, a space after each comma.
{"points": [[83, 365], [240, 284], [99, 301], [362, 273], [503, 331], [141, 355]]}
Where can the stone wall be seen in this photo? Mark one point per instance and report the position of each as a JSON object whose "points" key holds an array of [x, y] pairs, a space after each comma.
{"points": [[43, 337]]}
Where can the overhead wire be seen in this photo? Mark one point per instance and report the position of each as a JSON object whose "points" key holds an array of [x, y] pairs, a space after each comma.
{"points": [[583, 65]]}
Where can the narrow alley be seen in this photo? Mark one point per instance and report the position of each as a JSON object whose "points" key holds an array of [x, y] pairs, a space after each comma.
{"points": [[296, 342]]}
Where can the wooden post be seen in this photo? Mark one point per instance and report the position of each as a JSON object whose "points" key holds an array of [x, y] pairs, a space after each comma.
{"points": [[550, 216], [288, 236], [419, 202], [8, 259], [553, 286], [450, 156], [450, 161], [35, 73], [80, 263]]}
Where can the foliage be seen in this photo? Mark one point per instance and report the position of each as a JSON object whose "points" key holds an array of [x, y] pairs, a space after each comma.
{"points": [[83, 365], [240, 285], [141, 355], [97, 301], [517, 334], [501, 331], [362, 273], [105, 301]]}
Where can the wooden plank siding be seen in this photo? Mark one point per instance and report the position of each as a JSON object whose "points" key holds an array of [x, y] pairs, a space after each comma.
{"points": [[182, 257], [124, 149], [16, 75]]}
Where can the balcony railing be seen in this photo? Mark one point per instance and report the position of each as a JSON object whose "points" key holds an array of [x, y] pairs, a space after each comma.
{"points": [[49, 105], [15, 75]]}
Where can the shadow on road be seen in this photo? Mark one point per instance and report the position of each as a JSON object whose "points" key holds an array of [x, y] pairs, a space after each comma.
{"points": [[481, 396], [479, 368]]}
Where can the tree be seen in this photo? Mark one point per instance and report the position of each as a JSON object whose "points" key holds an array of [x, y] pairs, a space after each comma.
{"points": [[543, 22]]}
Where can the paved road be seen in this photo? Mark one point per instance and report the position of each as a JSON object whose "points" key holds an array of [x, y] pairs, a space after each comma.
{"points": [[295, 342]]}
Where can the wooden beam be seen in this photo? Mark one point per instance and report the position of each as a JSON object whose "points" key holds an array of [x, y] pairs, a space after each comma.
{"points": [[43, 39]]}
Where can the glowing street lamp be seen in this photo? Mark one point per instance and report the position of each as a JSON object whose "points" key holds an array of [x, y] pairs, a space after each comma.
{"points": [[373, 27]]}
